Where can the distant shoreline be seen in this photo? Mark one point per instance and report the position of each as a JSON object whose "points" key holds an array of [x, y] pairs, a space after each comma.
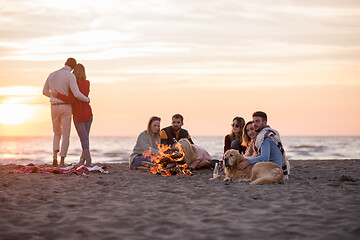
{"points": [[195, 136], [38, 150]]}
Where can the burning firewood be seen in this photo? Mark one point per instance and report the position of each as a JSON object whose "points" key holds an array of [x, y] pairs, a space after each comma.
{"points": [[168, 161]]}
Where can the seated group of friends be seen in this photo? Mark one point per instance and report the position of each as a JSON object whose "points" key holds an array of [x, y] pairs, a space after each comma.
{"points": [[255, 140]]}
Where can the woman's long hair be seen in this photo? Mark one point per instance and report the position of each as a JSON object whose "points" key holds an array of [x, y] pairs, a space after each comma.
{"points": [[79, 72], [241, 122], [189, 150], [148, 130], [246, 140]]}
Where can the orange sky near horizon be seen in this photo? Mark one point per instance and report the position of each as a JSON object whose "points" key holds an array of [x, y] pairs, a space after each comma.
{"points": [[297, 61]]}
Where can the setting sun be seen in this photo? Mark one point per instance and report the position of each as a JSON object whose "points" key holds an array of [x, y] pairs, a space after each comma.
{"points": [[14, 114], [86, 88], [18, 104], [209, 62]]}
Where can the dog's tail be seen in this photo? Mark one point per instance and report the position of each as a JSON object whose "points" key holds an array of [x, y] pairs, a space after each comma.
{"points": [[275, 176]]}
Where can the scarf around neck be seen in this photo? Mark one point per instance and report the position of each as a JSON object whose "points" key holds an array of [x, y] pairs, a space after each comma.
{"points": [[273, 135]]}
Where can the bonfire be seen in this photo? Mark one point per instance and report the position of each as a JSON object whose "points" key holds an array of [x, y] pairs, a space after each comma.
{"points": [[168, 161]]}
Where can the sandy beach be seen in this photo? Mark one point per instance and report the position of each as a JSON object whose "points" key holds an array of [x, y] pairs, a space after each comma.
{"points": [[320, 201]]}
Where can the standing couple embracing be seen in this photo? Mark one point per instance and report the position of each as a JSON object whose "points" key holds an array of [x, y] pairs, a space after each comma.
{"points": [[68, 92]]}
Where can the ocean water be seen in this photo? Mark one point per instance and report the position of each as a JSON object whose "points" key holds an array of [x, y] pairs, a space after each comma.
{"points": [[38, 150]]}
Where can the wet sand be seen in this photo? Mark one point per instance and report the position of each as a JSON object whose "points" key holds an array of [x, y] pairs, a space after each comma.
{"points": [[320, 201]]}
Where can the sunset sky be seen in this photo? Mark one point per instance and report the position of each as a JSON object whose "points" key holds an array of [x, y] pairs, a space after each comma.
{"points": [[209, 60]]}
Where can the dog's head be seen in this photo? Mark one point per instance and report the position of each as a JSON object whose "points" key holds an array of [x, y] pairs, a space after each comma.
{"points": [[232, 157]]}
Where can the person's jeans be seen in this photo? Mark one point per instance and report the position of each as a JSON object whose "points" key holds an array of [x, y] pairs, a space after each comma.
{"points": [[138, 161], [83, 130]]}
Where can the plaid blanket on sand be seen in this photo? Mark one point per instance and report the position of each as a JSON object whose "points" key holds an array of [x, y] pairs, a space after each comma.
{"points": [[78, 170]]}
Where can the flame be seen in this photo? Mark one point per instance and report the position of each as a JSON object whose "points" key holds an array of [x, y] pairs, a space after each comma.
{"points": [[166, 155]]}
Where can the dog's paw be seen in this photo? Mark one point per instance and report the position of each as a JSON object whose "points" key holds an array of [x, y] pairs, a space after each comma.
{"points": [[227, 179]]}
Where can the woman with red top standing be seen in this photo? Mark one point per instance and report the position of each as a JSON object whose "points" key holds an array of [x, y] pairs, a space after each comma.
{"points": [[82, 113]]}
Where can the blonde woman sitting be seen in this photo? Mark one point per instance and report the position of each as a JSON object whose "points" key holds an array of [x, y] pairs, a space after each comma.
{"points": [[196, 157], [147, 140]]}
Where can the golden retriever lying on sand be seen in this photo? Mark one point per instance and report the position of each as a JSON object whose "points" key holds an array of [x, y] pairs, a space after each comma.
{"points": [[256, 174]]}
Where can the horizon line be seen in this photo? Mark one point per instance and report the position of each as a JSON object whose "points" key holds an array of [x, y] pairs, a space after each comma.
{"points": [[130, 136]]}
